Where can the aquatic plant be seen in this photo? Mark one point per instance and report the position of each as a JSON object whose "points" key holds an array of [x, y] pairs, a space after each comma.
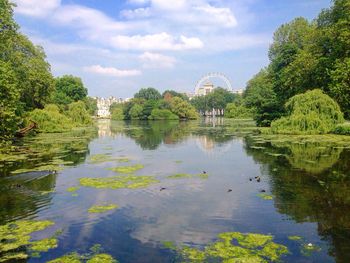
{"points": [[118, 182], [102, 258], [295, 238], [100, 158], [102, 208], [183, 175], [15, 239], [41, 168], [69, 258], [265, 196], [127, 169], [308, 249], [73, 189], [236, 247]]}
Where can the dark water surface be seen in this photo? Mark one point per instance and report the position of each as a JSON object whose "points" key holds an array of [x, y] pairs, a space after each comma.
{"points": [[308, 181]]}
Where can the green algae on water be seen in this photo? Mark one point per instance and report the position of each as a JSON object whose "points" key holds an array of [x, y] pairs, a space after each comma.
{"points": [[265, 196], [237, 247], [73, 189], [42, 168], [169, 245], [295, 238], [100, 158], [127, 169], [102, 208], [102, 258], [69, 258], [16, 236], [183, 175], [118, 182]]}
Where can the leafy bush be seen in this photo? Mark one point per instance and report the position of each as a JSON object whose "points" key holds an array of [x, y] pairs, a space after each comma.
{"points": [[117, 114], [51, 120], [183, 109], [158, 114], [78, 113], [312, 112], [136, 112], [234, 111], [343, 129]]}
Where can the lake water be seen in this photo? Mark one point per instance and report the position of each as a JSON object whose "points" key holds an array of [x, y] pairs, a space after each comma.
{"points": [[203, 178]]}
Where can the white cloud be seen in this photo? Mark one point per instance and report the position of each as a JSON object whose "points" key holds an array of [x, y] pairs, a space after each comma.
{"points": [[36, 8], [221, 16], [162, 41], [114, 72], [136, 13], [155, 60], [169, 5]]}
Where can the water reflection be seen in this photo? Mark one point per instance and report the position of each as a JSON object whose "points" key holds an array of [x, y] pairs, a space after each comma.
{"points": [[311, 183]]}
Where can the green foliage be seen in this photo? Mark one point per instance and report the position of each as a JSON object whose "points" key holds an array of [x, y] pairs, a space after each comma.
{"points": [[78, 113], [158, 114], [237, 111], [9, 99], [342, 129], [260, 97], [148, 94], [218, 99], [90, 105], [69, 89], [117, 112], [127, 169], [168, 94], [310, 113], [51, 120], [340, 85], [183, 109], [136, 112], [96, 209]]}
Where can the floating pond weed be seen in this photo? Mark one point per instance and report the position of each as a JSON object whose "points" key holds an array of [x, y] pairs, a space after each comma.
{"points": [[102, 208], [118, 182], [183, 176], [237, 247], [265, 196], [16, 236], [127, 169]]}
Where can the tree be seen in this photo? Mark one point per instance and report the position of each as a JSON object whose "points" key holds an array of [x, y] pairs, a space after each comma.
{"points": [[172, 93], [183, 109], [312, 112], [69, 89], [260, 97], [78, 113], [9, 99], [340, 85], [148, 94], [136, 112], [90, 105]]}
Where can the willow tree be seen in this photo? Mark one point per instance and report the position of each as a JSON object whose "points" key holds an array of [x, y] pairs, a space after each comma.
{"points": [[312, 112]]}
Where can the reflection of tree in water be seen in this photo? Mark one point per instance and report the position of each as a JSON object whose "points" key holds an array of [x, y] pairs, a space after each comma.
{"points": [[310, 157], [23, 195], [48, 149], [320, 195], [149, 135]]}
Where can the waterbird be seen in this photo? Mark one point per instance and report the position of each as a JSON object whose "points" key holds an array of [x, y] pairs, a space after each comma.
{"points": [[163, 188], [229, 190], [204, 172], [263, 191], [250, 179], [258, 180]]}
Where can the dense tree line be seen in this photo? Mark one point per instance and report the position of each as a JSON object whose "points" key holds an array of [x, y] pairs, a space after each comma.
{"points": [[26, 81], [304, 56], [149, 104]]}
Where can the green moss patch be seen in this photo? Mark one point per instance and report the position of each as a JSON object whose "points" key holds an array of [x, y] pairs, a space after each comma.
{"points": [[127, 169], [100, 158], [237, 247], [118, 182], [102, 208], [183, 176], [308, 249], [15, 240]]}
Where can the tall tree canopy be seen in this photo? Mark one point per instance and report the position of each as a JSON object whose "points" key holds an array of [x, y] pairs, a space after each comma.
{"points": [[69, 89], [148, 94]]}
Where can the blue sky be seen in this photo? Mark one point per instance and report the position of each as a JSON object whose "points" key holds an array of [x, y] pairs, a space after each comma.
{"points": [[120, 46]]}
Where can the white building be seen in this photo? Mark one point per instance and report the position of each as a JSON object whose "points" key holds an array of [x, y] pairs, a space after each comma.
{"points": [[207, 88], [103, 105]]}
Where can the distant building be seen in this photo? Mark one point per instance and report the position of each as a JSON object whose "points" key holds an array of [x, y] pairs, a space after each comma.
{"points": [[207, 88], [238, 92], [103, 105]]}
